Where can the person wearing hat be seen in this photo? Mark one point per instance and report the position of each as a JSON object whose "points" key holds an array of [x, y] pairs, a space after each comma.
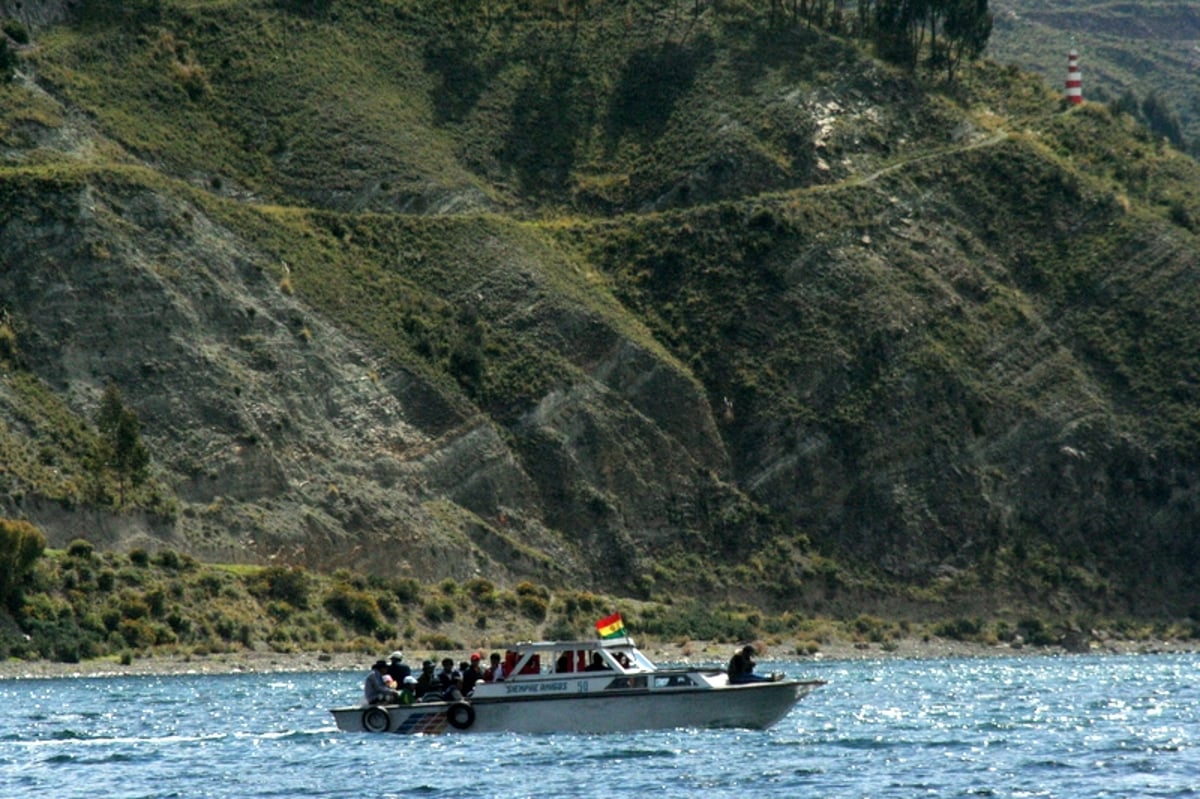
{"points": [[425, 682], [397, 668], [473, 673], [375, 690], [741, 667], [408, 690]]}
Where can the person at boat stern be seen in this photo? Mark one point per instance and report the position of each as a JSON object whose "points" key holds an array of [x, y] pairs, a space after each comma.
{"points": [[375, 689]]}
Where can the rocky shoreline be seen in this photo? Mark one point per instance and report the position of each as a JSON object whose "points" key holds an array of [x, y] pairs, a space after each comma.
{"points": [[254, 662]]}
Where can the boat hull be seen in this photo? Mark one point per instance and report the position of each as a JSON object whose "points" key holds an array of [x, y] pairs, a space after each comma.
{"points": [[750, 706]]}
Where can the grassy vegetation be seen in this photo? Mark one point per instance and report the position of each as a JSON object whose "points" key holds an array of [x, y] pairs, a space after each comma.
{"points": [[81, 604]]}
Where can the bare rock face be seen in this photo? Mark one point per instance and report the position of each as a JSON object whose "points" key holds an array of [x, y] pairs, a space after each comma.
{"points": [[284, 437]]}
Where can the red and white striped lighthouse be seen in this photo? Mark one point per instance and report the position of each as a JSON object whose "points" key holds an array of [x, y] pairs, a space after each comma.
{"points": [[1074, 79]]}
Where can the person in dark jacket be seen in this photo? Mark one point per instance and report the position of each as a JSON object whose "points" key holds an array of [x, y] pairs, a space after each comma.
{"points": [[473, 673], [425, 681], [397, 668], [741, 667]]}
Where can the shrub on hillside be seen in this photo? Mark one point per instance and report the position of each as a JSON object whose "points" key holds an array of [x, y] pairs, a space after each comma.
{"points": [[533, 607], [15, 30], [1035, 632], [116, 11], [437, 611], [440, 643], [81, 548], [482, 590], [170, 559], [357, 608], [21, 544], [292, 586], [406, 589], [959, 629], [8, 337], [8, 62]]}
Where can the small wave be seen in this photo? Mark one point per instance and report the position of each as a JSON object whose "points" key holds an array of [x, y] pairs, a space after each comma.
{"points": [[59, 759], [292, 735], [75, 738], [630, 754], [864, 743], [421, 790], [1051, 763], [70, 758]]}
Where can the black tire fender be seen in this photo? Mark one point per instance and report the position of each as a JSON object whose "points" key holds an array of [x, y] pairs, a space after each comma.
{"points": [[460, 715], [376, 719]]}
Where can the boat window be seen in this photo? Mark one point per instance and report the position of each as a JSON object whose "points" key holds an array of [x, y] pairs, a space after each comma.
{"points": [[571, 660], [530, 665], [625, 683], [673, 681]]}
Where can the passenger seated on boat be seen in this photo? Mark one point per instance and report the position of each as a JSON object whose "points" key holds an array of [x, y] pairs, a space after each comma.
{"points": [[597, 663], [397, 668], [563, 663], [375, 690], [408, 692], [741, 667], [454, 692], [472, 674], [426, 684], [446, 676], [449, 681], [494, 672]]}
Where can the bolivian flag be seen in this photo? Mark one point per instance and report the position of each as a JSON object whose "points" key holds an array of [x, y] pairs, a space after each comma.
{"points": [[611, 627]]}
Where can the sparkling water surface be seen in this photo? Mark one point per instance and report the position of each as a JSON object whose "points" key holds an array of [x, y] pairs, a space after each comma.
{"points": [[1077, 726]]}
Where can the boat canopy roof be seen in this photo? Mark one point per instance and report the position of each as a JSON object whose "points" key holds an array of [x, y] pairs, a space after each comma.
{"points": [[624, 642]]}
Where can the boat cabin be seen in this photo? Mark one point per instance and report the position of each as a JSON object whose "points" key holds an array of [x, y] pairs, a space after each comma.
{"points": [[581, 666], [569, 657]]}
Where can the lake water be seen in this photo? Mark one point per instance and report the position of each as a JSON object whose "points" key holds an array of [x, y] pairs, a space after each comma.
{"points": [[1080, 726]]}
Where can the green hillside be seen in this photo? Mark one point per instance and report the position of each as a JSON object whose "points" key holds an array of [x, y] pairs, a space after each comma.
{"points": [[655, 300]]}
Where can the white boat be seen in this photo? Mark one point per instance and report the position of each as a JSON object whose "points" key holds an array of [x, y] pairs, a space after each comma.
{"points": [[550, 689]]}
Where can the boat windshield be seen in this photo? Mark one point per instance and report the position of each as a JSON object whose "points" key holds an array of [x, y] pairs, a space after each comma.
{"points": [[640, 661]]}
